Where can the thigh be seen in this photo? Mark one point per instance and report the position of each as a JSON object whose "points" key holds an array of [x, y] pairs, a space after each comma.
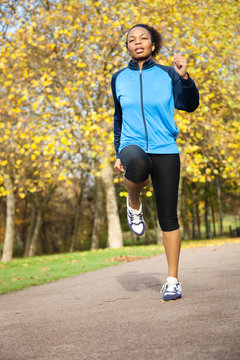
{"points": [[136, 162], [165, 178]]}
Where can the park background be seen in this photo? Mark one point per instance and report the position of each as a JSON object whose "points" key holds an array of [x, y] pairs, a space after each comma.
{"points": [[58, 190]]}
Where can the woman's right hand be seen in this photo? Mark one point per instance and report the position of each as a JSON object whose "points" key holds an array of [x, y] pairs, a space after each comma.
{"points": [[119, 166]]}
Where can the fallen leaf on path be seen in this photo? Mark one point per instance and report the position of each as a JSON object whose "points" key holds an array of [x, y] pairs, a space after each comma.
{"points": [[125, 258]]}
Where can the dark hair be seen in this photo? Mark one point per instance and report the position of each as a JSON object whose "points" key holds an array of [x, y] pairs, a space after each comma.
{"points": [[155, 37]]}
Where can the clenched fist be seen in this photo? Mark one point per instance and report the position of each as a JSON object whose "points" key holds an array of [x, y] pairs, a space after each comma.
{"points": [[118, 165], [180, 65]]}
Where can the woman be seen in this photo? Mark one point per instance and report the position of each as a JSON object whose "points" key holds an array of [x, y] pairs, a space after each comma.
{"points": [[145, 95]]}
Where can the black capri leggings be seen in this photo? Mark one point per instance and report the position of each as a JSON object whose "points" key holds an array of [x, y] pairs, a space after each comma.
{"points": [[165, 173]]}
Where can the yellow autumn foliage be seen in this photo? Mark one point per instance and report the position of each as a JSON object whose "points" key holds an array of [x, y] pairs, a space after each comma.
{"points": [[56, 65]]}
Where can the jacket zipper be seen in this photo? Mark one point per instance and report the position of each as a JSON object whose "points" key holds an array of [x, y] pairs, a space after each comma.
{"points": [[144, 121]]}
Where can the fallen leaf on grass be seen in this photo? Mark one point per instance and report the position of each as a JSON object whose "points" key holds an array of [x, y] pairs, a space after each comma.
{"points": [[33, 277], [44, 269], [74, 261], [16, 279]]}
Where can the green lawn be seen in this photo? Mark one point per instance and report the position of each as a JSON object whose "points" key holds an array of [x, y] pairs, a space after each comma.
{"points": [[21, 273]]}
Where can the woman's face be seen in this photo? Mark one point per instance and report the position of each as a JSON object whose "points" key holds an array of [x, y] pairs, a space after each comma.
{"points": [[139, 43]]}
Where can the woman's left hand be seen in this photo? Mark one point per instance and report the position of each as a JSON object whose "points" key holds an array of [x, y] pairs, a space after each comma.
{"points": [[180, 65]]}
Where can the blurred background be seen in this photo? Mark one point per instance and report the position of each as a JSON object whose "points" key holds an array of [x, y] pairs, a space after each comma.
{"points": [[58, 189]]}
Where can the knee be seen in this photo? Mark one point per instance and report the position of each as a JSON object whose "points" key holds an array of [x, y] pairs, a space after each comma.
{"points": [[139, 168], [170, 223], [136, 163]]}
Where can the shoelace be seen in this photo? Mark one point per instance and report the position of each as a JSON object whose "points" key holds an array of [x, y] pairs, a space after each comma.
{"points": [[136, 218], [171, 287]]}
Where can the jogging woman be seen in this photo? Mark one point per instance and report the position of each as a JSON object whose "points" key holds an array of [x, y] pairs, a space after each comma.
{"points": [[145, 95]]}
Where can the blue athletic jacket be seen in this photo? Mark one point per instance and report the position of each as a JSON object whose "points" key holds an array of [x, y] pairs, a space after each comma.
{"points": [[144, 106]]}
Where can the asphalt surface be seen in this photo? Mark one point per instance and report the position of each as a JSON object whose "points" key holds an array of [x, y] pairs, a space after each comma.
{"points": [[117, 313]]}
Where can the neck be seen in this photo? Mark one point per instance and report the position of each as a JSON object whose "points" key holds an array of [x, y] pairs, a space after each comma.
{"points": [[141, 62]]}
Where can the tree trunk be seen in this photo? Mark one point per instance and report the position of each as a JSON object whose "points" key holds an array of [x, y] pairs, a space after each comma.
{"points": [[115, 239], [207, 214], [196, 230], [220, 212], [156, 227], [2, 216], [30, 230], [76, 222], [183, 202], [213, 216], [40, 204], [97, 216], [158, 232], [10, 223], [45, 241], [198, 222], [79, 193], [194, 212], [34, 240], [24, 226]]}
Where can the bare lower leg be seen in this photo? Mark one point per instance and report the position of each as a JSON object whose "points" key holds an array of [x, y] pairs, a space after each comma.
{"points": [[134, 190], [172, 244]]}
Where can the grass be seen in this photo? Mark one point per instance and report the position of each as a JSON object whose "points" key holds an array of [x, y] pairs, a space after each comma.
{"points": [[21, 273]]}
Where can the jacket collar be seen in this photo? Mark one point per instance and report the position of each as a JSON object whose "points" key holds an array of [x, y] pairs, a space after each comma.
{"points": [[133, 65]]}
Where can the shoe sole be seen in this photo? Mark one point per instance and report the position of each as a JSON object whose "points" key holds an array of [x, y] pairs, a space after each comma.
{"points": [[135, 232], [173, 299]]}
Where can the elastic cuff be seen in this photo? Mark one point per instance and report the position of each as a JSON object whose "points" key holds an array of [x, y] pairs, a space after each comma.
{"points": [[187, 82], [170, 228]]}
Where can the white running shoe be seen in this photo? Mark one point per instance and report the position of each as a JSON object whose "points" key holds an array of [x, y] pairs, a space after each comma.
{"points": [[171, 290], [135, 219]]}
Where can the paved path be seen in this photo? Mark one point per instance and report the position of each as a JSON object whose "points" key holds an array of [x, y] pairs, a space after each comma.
{"points": [[116, 313]]}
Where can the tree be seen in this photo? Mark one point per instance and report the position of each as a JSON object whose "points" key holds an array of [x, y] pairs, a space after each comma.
{"points": [[56, 62]]}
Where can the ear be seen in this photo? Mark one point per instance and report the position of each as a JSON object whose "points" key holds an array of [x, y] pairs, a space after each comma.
{"points": [[153, 47]]}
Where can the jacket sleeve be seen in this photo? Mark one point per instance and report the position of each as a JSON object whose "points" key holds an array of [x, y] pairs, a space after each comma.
{"points": [[117, 116], [185, 92]]}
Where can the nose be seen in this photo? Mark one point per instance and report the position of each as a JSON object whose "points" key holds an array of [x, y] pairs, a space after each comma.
{"points": [[138, 41]]}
